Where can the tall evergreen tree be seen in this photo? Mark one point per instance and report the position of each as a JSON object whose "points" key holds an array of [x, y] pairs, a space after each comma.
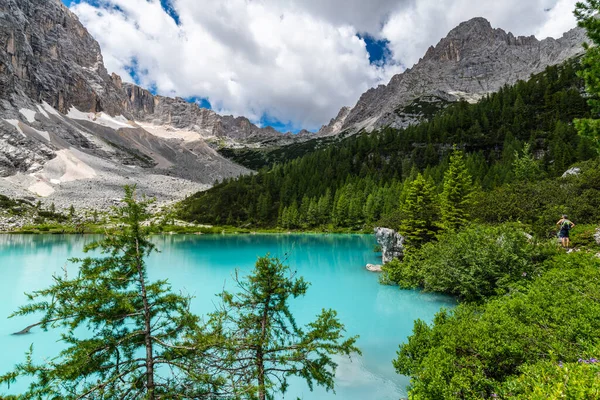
{"points": [[262, 343], [525, 166], [420, 212], [136, 327], [456, 197]]}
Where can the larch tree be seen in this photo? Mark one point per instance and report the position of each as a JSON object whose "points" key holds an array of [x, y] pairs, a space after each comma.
{"points": [[262, 345], [126, 337], [525, 166]]}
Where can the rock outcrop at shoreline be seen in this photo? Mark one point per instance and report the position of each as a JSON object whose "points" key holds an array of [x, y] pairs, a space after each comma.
{"points": [[391, 242]]}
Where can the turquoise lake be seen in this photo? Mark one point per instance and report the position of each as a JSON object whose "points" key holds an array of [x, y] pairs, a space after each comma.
{"points": [[203, 265]]}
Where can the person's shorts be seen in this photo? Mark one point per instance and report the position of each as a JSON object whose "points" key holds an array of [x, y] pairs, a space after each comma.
{"points": [[563, 234]]}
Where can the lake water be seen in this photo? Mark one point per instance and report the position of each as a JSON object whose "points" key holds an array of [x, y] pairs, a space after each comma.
{"points": [[202, 265]]}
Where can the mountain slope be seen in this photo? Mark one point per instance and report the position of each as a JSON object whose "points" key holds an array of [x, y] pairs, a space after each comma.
{"points": [[472, 61], [67, 127]]}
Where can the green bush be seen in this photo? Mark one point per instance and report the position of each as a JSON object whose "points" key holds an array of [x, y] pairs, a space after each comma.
{"points": [[470, 352], [474, 264], [555, 380], [540, 204]]}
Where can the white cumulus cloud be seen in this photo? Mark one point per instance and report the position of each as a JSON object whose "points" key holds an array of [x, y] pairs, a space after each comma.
{"points": [[424, 22]]}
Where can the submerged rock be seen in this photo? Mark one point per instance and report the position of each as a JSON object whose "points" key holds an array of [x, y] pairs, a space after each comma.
{"points": [[374, 268], [391, 242]]}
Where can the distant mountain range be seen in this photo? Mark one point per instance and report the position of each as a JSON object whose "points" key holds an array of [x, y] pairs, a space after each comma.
{"points": [[71, 132]]}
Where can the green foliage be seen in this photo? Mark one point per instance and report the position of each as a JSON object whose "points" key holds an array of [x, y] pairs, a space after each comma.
{"points": [[420, 212], [136, 327], [14, 207], [473, 264], [263, 343], [539, 204], [587, 17], [470, 352], [525, 166], [555, 380], [456, 198]]}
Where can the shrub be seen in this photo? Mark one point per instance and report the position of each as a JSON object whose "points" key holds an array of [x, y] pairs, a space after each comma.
{"points": [[476, 263], [555, 380], [473, 350]]}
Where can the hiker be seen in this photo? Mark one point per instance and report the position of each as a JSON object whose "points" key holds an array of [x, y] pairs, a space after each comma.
{"points": [[564, 226]]}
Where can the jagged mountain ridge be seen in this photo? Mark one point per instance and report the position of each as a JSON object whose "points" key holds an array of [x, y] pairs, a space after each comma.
{"points": [[67, 127], [57, 99], [473, 60]]}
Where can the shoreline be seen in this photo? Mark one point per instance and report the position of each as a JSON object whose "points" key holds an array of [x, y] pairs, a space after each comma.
{"points": [[178, 230]]}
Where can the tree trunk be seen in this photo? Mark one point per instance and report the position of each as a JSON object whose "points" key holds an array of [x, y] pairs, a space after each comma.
{"points": [[150, 386], [260, 362]]}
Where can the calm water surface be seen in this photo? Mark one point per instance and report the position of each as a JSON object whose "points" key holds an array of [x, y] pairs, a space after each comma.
{"points": [[203, 265]]}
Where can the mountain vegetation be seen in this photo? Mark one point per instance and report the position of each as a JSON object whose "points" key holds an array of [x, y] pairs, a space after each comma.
{"points": [[527, 325], [363, 180]]}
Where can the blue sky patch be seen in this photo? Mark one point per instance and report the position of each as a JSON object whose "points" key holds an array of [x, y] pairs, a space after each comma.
{"points": [[201, 101], [378, 49], [167, 5], [276, 124]]}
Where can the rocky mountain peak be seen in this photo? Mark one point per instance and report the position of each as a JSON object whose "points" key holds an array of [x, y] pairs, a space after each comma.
{"points": [[471, 36], [474, 59], [477, 26]]}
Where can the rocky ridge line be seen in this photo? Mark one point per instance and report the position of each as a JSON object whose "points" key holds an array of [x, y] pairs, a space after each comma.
{"points": [[472, 61]]}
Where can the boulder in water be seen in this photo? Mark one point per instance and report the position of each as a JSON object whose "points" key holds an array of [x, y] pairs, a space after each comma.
{"points": [[374, 268], [391, 242]]}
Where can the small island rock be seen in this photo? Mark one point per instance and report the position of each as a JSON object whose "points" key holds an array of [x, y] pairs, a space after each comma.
{"points": [[391, 242], [374, 268]]}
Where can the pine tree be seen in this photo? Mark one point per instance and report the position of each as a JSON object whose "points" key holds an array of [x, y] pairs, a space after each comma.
{"points": [[525, 166], [312, 216], [420, 213], [262, 345], [136, 327], [456, 196]]}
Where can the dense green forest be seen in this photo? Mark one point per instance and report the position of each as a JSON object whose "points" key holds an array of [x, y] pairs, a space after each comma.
{"points": [[360, 181]]}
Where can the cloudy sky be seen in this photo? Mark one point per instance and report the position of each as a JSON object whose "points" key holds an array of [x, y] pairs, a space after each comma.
{"points": [[290, 64]]}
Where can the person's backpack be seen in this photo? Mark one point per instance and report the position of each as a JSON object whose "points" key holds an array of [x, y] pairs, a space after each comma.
{"points": [[566, 225]]}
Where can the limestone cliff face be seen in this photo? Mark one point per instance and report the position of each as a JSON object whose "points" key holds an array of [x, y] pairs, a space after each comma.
{"points": [[47, 55], [67, 126], [52, 69], [181, 114], [473, 60]]}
